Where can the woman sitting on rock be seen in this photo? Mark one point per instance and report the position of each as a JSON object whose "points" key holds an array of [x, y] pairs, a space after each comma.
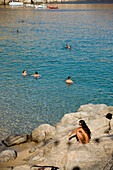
{"points": [[83, 133]]}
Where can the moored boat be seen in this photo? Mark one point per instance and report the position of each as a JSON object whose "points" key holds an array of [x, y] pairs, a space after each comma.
{"points": [[15, 3], [40, 6], [52, 7], [29, 5]]}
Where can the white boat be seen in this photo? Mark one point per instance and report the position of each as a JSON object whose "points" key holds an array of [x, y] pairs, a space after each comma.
{"points": [[15, 3], [40, 6], [29, 5]]}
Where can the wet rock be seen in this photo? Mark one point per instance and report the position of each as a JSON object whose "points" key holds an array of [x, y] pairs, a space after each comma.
{"points": [[7, 155], [15, 140]]}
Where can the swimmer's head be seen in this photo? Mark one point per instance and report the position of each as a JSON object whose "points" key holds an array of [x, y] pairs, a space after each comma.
{"points": [[24, 71], [69, 77], [36, 72]]}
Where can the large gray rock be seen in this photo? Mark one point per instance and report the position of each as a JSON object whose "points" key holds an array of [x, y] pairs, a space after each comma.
{"points": [[92, 108], [86, 112], [15, 140], [55, 149], [7, 155], [67, 154], [42, 132]]}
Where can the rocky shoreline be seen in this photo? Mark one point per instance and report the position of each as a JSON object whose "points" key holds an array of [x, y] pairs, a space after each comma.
{"points": [[48, 147]]}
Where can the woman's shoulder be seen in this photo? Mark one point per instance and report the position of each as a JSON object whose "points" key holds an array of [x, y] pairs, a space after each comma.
{"points": [[78, 129]]}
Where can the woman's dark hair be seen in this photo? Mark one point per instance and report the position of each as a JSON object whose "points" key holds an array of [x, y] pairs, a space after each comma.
{"points": [[36, 72], [85, 127], [69, 77], [23, 71]]}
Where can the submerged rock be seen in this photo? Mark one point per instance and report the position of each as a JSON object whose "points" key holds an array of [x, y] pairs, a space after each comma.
{"points": [[15, 140], [7, 155]]}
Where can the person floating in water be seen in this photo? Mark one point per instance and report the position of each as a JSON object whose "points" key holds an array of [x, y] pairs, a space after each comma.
{"points": [[24, 73], [36, 75], [70, 47], [66, 46], [83, 133], [69, 81]]}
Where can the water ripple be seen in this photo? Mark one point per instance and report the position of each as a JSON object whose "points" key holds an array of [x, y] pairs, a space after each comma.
{"points": [[27, 102]]}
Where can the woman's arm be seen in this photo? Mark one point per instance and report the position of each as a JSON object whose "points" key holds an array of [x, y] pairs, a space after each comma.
{"points": [[73, 132]]}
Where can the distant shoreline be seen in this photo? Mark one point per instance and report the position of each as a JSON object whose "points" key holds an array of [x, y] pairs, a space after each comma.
{"points": [[76, 2], [88, 2]]}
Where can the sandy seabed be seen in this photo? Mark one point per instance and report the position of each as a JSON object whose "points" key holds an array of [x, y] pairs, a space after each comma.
{"points": [[22, 153]]}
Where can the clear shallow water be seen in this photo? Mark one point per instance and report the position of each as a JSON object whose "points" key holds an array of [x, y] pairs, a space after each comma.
{"points": [[26, 102]]}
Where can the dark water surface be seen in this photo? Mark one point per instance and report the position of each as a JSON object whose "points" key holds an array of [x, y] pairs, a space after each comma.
{"points": [[26, 102]]}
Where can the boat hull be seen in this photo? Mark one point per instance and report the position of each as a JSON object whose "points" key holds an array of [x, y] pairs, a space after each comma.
{"points": [[16, 3], [51, 7], [40, 6]]}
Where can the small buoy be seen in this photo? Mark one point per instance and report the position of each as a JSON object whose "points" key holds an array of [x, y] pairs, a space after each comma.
{"points": [[107, 13], [11, 30]]}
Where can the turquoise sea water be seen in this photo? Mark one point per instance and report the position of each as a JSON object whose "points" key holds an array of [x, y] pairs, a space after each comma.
{"points": [[26, 102]]}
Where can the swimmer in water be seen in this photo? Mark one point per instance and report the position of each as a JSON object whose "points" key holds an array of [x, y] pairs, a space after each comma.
{"points": [[66, 46], [69, 47], [36, 75], [69, 81], [24, 73]]}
